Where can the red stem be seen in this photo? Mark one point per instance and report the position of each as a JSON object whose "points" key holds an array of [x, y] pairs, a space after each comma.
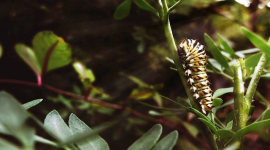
{"points": [[47, 58], [182, 132]]}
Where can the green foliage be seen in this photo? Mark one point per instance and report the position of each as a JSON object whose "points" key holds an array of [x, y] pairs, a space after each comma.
{"points": [[222, 91], [122, 10], [144, 5]]}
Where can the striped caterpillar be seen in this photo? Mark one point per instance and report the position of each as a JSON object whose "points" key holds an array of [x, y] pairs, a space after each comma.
{"points": [[193, 55]]}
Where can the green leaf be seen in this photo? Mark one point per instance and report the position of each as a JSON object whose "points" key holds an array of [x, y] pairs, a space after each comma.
{"points": [[234, 146], [144, 5], [6, 145], [94, 142], [122, 10], [215, 64], [217, 102], [251, 128], [252, 60], [257, 41], [86, 75], [29, 56], [56, 126], [193, 130], [32, 103], [198, 113], [168, 142], [222, 91], [47, 45], [224, 133], [216, 53], [267, 114], [209, 124], [226, 46], [229, 125], [148, 140]]}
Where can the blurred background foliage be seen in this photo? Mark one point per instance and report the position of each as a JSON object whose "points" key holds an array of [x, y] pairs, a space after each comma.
{"points": [[125, 59]]}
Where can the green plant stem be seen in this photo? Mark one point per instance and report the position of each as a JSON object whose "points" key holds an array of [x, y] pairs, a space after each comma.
{"points": [[164, 16], [241, 107]]}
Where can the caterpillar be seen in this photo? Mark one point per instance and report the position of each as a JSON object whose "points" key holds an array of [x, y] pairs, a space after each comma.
{"points": [[193, 56]]}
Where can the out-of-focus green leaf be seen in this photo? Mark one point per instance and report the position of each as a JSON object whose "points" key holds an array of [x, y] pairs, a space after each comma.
{"points": [[140, 94], [47, 44], [56, 126], [157, 98], [209, 124], [144, 5], [183, 102], [267, 114], [29, 56], [234, 146], [229, 117], [217, 102], [191, 128], [215, 64], [226, 46], [154, 113], [252, 61], [12, 119], [168, 142], [222, 91], [198, 113], [61, 99], [216, 53], [6, 145], [136, 80], [122, 10], [251, 128], [148, 140], [257, 41], [229, 125], [169, 60], [86, 75], [248, 51], [94, 142], [32, 103], [222, 133]]}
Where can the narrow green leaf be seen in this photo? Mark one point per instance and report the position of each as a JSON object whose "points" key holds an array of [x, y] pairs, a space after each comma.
{"points": [[257, 41], [168, 142], [43, 46], [226, 46], [217, 102], [198, 113], [32, 103], [209, 124], [234, 146], [216, 53], [148, 140], [78, 128], [29, 56], [56, 126], [86, 75], [6, 145], [222, 91], [252, 60], [144, 5], [122, 10], [223, 134], [251, 128]]}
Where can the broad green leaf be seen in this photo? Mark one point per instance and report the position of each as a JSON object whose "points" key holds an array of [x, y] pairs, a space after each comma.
{"points": [[56, 126], [222, 133], [267, 114], [252, 60], [32, 103], [94, 142], [216, 53], [48, 45], [6, 145], [86, 75], [12, 114], [257, 41], [222, 91], [251, 128], [168, 142], [29, 56], [226, 46], [12, 119], [148, 140], [209, 124], [217, 102], [122, 10], [144, 5]]}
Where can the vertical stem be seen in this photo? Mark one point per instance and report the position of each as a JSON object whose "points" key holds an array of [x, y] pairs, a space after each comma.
{"points": [[163, 13], [241, 107]]}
